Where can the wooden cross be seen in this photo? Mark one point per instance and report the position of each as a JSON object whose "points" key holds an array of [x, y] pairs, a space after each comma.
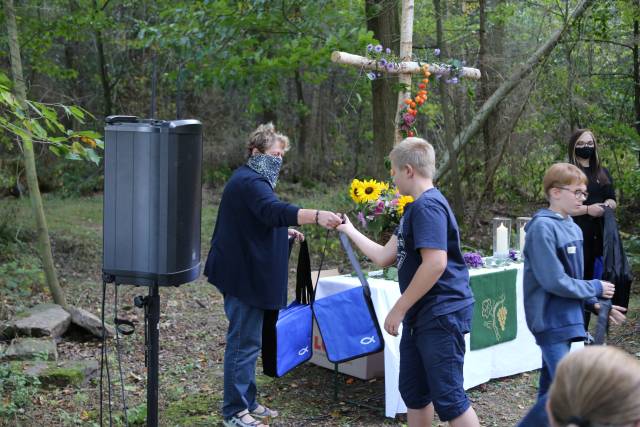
{"points": [[405, 68]]}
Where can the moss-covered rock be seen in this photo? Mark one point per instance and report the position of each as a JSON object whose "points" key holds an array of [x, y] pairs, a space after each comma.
{"points": [[76, 372]]}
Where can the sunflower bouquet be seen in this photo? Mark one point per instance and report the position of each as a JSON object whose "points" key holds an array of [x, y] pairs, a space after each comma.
{"points": [[379, 207]]}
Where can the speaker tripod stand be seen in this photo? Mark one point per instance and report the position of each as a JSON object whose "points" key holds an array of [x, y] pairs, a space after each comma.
{"points": [[151, 306]]}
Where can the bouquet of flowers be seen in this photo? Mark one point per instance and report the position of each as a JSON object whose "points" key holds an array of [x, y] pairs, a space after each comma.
{"points": [[379, 207]]}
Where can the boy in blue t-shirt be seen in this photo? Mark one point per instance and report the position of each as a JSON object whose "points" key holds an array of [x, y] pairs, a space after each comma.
{"points": [[436, 305], [555, 294]]}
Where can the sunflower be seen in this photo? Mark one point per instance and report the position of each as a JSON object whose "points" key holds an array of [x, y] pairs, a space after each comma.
{"points": [[402, 202], [356, 190], [371, 190]]}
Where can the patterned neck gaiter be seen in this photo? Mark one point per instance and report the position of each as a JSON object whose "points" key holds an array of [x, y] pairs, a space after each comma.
{"points": [[267, 166]]}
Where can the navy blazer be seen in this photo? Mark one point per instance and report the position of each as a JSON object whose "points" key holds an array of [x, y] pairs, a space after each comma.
{"points": [[249, 248]]}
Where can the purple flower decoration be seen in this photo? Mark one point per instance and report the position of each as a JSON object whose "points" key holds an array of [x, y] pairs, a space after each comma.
{"points": [[371, 75], [362, 219], [473, 259], [383, 62], [390, 66], [369, 47], [436, 52], [388, 51], [379, 208], [408, 119], [378, 48], [513, 255]]}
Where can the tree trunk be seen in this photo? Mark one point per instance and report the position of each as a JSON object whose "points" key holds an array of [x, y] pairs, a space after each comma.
{"points": [[443, 92], [42, 231], [491, 40], [480, 118], [383, 20], [636, 71], [303, 123], [573, 120], [104, 73]]}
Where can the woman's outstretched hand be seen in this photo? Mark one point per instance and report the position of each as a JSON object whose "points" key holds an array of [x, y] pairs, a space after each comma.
{"points": [[329, 220]]}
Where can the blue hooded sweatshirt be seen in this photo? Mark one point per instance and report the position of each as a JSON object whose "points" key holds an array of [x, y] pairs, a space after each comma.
{"points": [[554, 292]]}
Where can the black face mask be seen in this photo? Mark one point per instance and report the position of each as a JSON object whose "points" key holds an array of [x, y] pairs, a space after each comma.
{"points": [[585, 152]]}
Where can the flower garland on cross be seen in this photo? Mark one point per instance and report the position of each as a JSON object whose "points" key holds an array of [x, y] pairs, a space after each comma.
{"points": [[385, 61]]}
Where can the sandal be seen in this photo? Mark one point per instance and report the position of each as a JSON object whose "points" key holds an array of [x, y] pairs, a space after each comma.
{"points": [[243, 419], [264, 412]]}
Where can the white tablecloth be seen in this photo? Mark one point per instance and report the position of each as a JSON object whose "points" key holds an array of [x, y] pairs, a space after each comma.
{"points": [[513, 357]]}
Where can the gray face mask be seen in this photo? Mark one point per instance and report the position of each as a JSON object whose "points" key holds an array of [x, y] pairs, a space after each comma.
{"points": [[267, 166]]}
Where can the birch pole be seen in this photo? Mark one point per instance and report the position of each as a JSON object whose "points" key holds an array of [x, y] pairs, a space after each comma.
{"points": [[406, 50]]}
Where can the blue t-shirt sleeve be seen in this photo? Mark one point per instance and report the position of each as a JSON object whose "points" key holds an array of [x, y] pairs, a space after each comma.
{"points": [[429, 226]]}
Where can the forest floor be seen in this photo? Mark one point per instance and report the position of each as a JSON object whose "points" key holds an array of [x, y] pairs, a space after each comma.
{"points": [[192, 338]]}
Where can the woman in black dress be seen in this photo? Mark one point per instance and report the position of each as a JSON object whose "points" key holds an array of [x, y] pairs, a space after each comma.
{"points": [[583, 152]]}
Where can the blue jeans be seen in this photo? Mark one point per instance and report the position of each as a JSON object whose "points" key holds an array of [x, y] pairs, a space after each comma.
{"points": [[244, 342], [551, 356]]}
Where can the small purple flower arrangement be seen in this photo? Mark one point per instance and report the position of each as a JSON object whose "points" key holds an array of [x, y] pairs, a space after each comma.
{"points": [[473, 259], [514, 255]]}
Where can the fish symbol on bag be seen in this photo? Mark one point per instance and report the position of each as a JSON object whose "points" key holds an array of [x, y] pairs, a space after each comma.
{"points": [[368, 340]]}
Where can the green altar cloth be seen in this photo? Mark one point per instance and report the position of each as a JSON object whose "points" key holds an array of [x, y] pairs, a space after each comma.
{"points": [[494, 313]]}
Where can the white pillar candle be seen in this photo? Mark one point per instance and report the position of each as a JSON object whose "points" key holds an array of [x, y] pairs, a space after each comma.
{"points": [[522, 236], [502, 240]]}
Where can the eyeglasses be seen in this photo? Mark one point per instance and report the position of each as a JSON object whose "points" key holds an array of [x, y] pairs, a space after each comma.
{"points": [[578, 193]]}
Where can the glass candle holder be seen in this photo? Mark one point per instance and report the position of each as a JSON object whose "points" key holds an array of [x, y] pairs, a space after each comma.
{"points": [[501, 235], [521, 222]]}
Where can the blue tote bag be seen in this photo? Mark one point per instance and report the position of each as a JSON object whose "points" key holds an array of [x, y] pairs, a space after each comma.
{"points": [[346, 320], [287, 333]]}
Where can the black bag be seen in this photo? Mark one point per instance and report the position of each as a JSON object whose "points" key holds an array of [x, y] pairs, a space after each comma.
{"points": [[616, 266], [287, 333], [603, 322]]}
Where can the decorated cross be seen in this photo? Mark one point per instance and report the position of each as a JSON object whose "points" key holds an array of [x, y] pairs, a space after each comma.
{"points": [[406, 68]]}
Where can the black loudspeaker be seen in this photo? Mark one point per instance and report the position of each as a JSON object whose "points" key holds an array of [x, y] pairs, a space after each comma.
{"points": [[152, 201]]}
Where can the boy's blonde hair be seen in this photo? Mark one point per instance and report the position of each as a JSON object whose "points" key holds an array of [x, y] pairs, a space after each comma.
{"points": [[599, 385], [264, 137], [416, 152], [562, 174]]}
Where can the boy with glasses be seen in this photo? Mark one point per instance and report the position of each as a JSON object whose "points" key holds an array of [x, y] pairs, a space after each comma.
{"points": [[554, 292]]}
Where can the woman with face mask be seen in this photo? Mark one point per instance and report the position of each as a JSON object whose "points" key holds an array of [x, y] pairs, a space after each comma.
{"points": [[248, 263], [583, 152]]}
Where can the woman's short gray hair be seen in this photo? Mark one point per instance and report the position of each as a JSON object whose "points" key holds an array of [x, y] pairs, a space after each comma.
{"points": [[416, 152], [264, 137]]}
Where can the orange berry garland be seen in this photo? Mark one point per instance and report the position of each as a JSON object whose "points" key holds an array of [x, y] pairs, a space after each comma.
{"points": [[412, 105]]}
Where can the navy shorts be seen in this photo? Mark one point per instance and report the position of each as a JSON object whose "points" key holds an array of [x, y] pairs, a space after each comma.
{"points": [[431, 362]]}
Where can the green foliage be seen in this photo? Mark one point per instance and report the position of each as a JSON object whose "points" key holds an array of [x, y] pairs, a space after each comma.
{"points": [[632, 250], [41, 120], [217, 176], [20, 277], [17, 389]]}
